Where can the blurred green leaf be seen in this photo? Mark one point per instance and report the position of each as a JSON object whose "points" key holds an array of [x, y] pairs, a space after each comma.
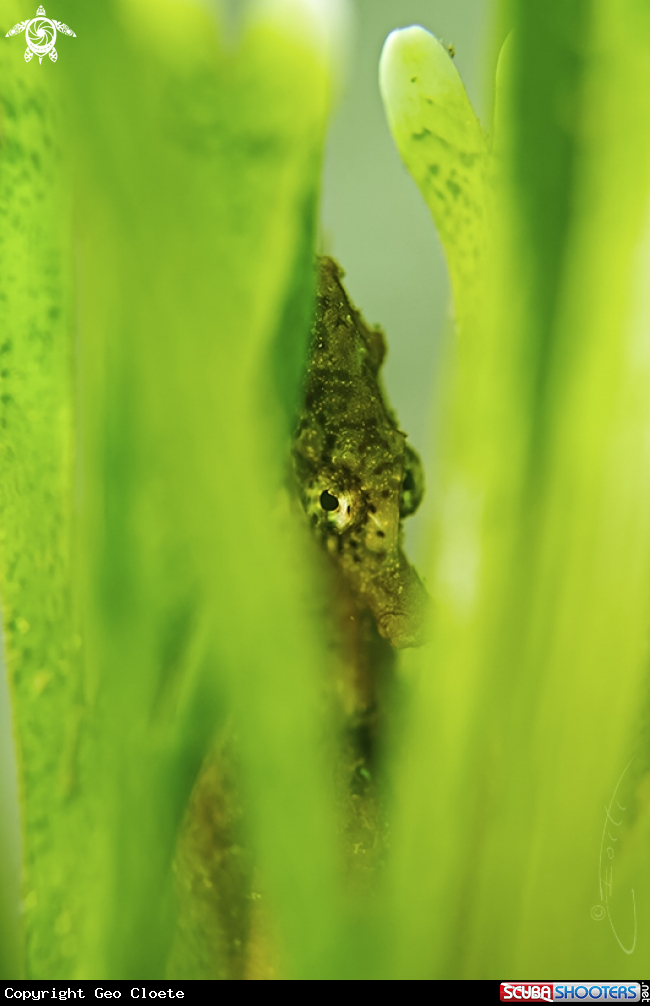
{"points": [[195, 175], [526, 706]]}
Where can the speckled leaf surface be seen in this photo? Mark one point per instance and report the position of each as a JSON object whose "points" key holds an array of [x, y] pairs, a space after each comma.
{"points": [[443, 145], [36, 489]]}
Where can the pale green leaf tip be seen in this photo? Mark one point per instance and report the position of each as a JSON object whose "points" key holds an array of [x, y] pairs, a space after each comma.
{"points": [[323, 25], [414, 51]]}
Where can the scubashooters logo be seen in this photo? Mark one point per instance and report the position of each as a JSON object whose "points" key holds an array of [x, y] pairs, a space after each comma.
{"points": [[40, 35], [570, 991]]}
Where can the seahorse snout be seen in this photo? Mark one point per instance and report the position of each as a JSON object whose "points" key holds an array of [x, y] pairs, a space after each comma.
{"points": [[402, 607]]}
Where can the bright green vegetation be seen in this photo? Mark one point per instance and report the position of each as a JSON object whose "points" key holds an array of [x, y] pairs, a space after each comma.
{"points": [[158, 197]]}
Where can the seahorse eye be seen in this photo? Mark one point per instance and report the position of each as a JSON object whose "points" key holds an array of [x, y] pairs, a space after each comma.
{"points": [[413, 483], [335, 509], [328, 502]]}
